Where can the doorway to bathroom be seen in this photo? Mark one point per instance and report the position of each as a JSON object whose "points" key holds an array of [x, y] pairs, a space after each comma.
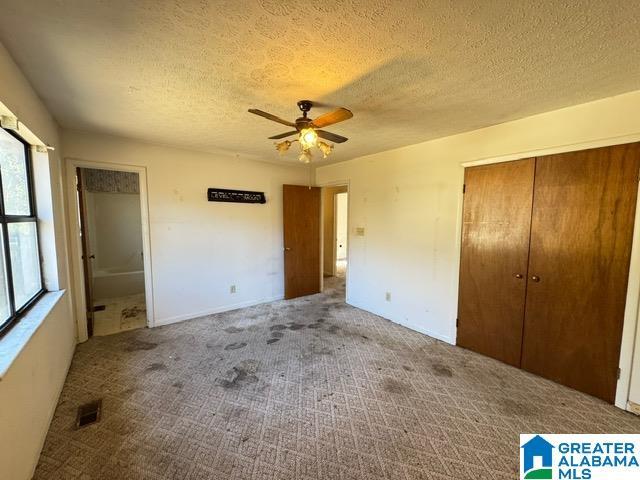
{"points": [[110, 220]]}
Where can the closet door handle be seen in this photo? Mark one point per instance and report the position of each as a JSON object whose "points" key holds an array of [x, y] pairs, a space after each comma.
{"points": [[518, 275], [535, 278]]}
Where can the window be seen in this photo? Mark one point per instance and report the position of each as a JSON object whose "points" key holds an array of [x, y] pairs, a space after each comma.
{"points": [[20, 277]]}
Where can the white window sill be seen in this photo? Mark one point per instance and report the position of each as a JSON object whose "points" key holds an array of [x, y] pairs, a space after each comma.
{"points": [[18, 337]]}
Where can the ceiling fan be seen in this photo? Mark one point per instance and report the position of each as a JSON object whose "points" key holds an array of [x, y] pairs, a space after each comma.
{"points": [[308, 130]]}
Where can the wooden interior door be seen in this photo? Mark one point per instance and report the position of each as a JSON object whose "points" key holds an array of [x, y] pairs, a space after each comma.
{"points": [[493, 262], [582, 226], [87, 256], [301, 219]]}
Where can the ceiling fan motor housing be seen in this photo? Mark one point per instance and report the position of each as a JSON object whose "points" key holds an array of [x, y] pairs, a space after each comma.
{"points": [[305, 106], [302, 123]]}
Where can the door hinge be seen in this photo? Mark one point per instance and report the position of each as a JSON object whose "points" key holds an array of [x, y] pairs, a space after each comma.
{"points": [[464, 187], [457, 322], [619, 372]]}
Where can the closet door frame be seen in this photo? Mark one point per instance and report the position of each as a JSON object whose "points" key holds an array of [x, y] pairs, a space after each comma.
{"points": [[631, 321]]}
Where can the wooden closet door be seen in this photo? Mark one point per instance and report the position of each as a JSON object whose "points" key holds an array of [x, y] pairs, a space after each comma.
{"points": [[493, 262], [582, 226]]}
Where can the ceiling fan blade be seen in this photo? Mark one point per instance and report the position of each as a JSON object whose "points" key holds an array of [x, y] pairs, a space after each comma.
{"points": [[268, 116], [330, 118], [332, 137], [282, 135]]}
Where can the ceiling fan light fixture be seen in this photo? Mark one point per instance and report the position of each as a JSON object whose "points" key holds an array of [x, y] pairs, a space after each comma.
{"points": [[308, 138], [305, 155], [282, 147], [325, 148]]}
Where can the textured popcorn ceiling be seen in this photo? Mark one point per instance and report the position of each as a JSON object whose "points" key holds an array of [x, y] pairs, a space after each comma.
{"points": [[184, 72]]}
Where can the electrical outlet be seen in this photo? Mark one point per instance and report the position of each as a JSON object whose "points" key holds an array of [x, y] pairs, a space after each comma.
{"points": [[387, 296], [232, 289]]}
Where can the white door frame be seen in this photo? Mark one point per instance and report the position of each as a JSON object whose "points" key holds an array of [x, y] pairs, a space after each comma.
{"points": [[74, 238], [338, 183], [631, 311], [335, 225], [334, 250]]}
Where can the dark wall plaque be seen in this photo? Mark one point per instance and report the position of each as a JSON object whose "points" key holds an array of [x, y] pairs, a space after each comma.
{"points": [[235, 196]]}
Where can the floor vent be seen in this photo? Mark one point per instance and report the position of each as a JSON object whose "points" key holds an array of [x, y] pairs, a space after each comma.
{"points": [[99, 308], [89, 413]]}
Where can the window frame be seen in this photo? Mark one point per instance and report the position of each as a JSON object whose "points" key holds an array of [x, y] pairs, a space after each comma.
{"points": [[5, 220]]}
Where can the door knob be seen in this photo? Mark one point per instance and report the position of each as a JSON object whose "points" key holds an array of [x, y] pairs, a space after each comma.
{"points": [[535, 278], [518, 275], [287, 249]]}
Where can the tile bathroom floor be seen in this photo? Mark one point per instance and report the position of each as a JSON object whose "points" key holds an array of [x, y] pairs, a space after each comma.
{"points": [[119, 315]]}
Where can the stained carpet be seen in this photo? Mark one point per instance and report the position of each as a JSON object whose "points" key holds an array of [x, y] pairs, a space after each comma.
{"points": [[304, 389]]}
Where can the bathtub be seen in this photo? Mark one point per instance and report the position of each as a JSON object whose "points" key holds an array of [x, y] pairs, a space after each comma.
{"points": [[113, 283]]}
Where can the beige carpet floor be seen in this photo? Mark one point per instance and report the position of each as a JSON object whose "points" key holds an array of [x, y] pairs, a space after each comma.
{"points": [[304, 389]]}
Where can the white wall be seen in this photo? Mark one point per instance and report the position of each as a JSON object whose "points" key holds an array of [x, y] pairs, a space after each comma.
{"points": [[632, 312], [409, 202], [407, 205], [29, 393], [200, 248], [114, 226], [30, 388], [115, 231]]}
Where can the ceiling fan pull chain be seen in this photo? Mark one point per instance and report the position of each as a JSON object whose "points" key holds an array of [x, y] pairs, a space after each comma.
{"points": [[310, 175]]}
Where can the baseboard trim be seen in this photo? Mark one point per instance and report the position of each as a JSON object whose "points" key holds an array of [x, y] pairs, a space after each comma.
{"points": [[416, 328], [224, 308]]}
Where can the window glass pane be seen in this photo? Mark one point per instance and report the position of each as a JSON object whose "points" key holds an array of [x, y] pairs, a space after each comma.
{"points": [[5, 309], [25, 264], [13, 168]]}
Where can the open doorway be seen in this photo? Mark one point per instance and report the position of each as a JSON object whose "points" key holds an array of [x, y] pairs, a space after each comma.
{"points": [[109, 214], [335, 202]]}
